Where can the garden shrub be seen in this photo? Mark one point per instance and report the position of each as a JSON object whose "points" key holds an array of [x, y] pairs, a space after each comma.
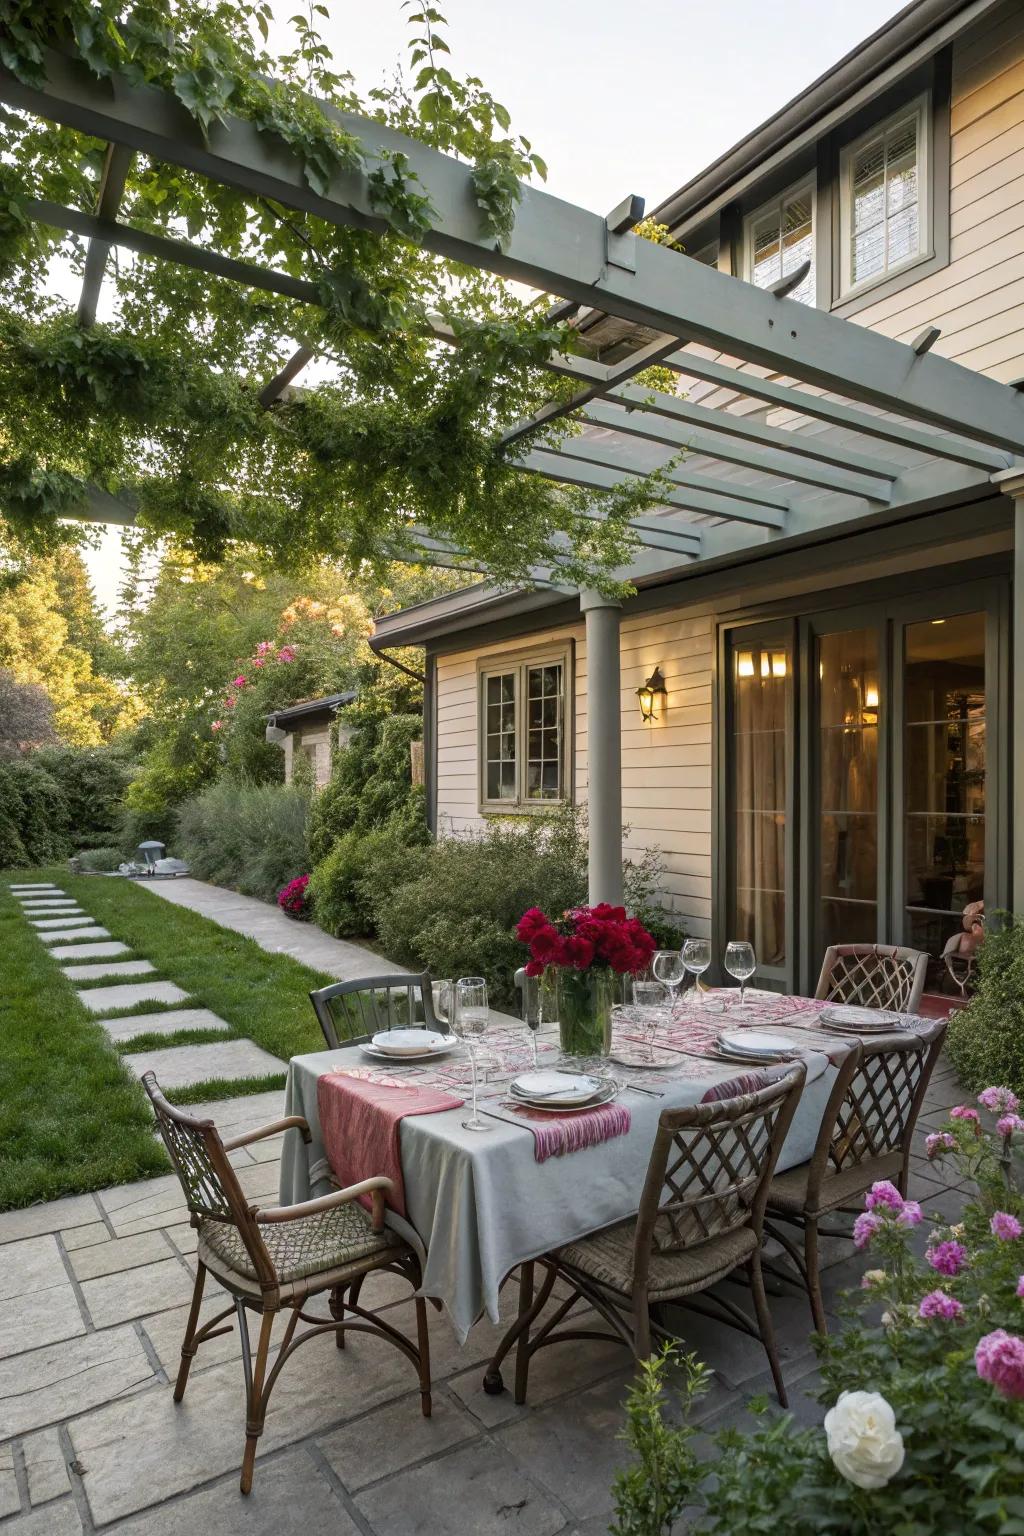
{"points": [[93, 781], [361, 863], [924, 1387], [986, 1039], [33, 816], [100, 861], [250, 837], [370, 782]]}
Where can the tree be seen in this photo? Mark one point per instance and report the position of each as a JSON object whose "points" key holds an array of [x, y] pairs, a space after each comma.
{"points": [[51, 637], [26, 716], [403, 432]]}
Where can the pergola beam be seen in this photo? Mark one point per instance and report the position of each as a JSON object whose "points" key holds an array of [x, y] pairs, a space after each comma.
{"points": [[582, 450], [655, 534], [657, 428], [553, 246], [279, 383], [116, 165]]}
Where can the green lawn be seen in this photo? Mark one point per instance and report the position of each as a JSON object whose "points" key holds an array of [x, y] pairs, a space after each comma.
{"points": [[71, 1117]]}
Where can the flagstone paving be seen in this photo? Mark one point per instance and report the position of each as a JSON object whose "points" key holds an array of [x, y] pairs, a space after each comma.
{"points": [[109, 968], [80, 951], [74, 935], [66, 919], [163, 1023], [176, 1066], [110, 999]]}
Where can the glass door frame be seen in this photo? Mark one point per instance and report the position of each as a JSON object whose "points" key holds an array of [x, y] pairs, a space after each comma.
{"points": [[731, 637]]}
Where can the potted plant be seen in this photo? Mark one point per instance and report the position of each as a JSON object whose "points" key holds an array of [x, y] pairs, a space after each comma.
{"points": [[293, 900], [586, 950]]}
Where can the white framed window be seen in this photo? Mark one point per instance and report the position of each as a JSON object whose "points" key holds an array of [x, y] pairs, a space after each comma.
{"points": [[524, 731], [884, 206], [779, 237]]}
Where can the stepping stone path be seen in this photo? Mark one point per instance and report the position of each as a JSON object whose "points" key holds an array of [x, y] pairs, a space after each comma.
{"points": [[87, 953]]}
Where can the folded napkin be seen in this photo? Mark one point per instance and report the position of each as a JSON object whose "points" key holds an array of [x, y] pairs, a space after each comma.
{"points": [[553, 1135], [359, 1121]]}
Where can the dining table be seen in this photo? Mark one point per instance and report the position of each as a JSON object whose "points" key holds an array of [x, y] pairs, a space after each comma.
{"points": [[476, 1204]]}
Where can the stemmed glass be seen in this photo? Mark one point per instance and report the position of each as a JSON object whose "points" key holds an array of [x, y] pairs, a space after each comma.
{"points": [[470, 1017], [533, 1009], [668, 968], [648, 996], [696, 956], [740, 962]]}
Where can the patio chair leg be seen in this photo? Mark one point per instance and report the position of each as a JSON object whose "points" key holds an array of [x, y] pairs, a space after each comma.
{"points": [[423, 1344], [188, 1348], [493, 1383], [813, 1274], [256, 1407], [641, 1326], [764, 1323]]}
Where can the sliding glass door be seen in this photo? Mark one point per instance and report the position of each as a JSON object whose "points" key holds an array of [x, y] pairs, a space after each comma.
{"points": [[849, 718]]}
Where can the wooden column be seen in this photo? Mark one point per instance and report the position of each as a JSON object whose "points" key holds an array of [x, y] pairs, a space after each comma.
{"points": [[604, 747]]}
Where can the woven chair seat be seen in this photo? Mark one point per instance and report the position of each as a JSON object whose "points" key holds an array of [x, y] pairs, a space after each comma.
{"points": [[607, 1257], [330, 1240], [788, 1191]]}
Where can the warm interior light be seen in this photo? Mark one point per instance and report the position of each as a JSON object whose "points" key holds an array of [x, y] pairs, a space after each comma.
{"points": [[745, 664], [766, 664], [938, 621], [870, 697], [779, 664]]}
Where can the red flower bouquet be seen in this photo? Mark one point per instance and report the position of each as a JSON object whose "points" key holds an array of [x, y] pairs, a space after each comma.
{"points": [[584, 949], [292, 898]]}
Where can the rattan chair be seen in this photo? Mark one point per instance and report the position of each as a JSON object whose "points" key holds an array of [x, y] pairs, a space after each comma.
{"points": [[273, 1261], [353, 1011], [873, 976], [866, 1134], [700, 1218]]}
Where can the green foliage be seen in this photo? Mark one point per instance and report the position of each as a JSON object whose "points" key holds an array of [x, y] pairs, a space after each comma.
{"points": [[370, 781], [986, 1039], [652, 1493], [250, 837], [360, 865], [963, 1440], [33, 815], [93, 782], [153, 405], [100, 861]]}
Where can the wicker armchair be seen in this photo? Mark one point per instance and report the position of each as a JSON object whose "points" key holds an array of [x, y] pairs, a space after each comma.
{"points": [[700, 1218], [273, 1261], [873, 976], [353, 1011], [866, 1134]]}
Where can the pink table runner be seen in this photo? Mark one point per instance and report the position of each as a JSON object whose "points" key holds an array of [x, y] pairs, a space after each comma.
{"points": [[360, 1115], [555, 1135]]}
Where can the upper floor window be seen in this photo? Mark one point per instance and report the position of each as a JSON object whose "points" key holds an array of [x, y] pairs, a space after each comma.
{"points": [[524, 732], [779, 238], [883, 211]]}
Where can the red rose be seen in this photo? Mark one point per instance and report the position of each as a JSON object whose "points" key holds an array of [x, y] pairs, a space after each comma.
{"points": [[535, 968], [545, 944], [579, 953], [531, 923]]}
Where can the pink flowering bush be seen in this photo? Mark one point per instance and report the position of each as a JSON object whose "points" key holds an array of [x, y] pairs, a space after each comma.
{"points": [[293, 897]]}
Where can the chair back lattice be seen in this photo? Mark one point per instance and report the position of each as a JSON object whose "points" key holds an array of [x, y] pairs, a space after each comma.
{"points": [[874, 1104], [350, 1012], [711, 1166], [873, 976], [209, 1181]]}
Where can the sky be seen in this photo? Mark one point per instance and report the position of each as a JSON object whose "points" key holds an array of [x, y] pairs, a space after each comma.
{"points": [[618, 96]]}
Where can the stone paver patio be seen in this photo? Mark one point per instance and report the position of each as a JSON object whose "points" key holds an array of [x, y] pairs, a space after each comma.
{"points": [[96, 1289]]}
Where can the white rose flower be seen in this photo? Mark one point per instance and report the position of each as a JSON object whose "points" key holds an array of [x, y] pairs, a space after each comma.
{"points": [[865, 1446]]}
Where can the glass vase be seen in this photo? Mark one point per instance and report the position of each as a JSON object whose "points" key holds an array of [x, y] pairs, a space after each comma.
{"points": [[585, 1001]]}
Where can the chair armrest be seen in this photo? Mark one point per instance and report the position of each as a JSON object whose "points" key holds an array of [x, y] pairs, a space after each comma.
{"points": [[290, 1122], [377, 1187]]}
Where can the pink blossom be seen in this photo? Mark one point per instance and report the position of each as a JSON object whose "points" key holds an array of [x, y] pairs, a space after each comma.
{"points": [[1000, 1100], [1005, 1227], [239, 681], [286, 653], [964, 1112], [939, 1141], [864, 1228], [1020, 1287], [258, 661], [229, 703], [1008, 1124], [911, 1214], [949, 1258], [884, 1193], [999, 1359], [938, 1304], [263, 647]]}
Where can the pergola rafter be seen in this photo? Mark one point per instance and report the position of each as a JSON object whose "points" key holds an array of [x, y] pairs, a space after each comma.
{"points": [[116, 165]]}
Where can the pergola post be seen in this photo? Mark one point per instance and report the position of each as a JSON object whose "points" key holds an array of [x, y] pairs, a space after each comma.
{"points": [[1011, 483], [604, 746]]}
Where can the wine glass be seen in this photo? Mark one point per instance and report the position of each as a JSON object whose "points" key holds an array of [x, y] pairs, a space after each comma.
{"points": [[648, 997], [470, 1017], [533, 1009], [696, 957], [740, 962], [668, 968]]}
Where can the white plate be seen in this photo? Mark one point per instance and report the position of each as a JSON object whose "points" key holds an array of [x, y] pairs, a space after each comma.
{"points": [[755, 1044], [866, 1020], [555, 1088], [607, 1092], [407, 1056], [409, 1042]]}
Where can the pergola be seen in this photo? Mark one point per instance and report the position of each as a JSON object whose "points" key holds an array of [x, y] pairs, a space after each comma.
{"points": [[863, 430]]}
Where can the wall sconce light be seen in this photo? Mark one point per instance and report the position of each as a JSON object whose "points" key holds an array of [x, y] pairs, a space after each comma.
{"points": [[647, 693], [870, 710]]}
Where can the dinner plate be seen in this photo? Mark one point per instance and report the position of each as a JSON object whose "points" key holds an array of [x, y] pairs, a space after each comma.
{"points": [[865, 1021], [409, 1042], [755, 1044], [558, 1089], [397, 1058], [606, 1093]]}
